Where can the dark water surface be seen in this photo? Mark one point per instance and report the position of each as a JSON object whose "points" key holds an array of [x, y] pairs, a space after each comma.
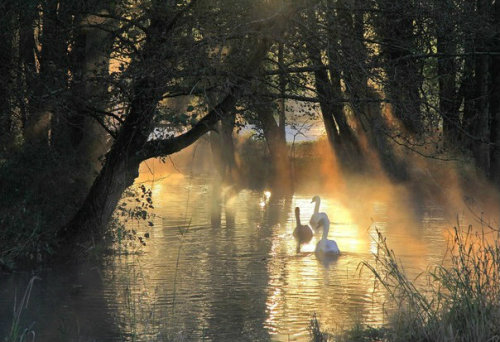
{"points": [[238, 282]]}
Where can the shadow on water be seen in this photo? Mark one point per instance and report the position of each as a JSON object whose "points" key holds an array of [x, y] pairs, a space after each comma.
{"points": [[64, 305]]}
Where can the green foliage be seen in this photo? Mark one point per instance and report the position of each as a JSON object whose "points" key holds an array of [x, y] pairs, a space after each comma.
{"points": [[135, 207]]}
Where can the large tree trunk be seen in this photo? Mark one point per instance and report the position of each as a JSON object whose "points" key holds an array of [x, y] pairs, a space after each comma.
{"points": [[53, 72], [371, 122], [79, 131], [340, 135], [119, 171], [122, 162], [131, 146], [395, 28], [7, 80], [447, 87], [276, 143], [477, 118]]}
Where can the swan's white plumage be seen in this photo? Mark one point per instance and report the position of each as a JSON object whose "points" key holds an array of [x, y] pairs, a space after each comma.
{"points": [[325, 246], [316, 216]]}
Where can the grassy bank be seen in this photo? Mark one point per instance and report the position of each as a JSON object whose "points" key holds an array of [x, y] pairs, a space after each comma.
{"points": [[460, 303]]}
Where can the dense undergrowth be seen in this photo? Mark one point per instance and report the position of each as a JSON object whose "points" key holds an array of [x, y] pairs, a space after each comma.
{"points": [[461, 302], [39, 193], [34, 202]]}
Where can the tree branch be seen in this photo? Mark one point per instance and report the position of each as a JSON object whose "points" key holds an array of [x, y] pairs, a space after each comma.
{"points": [[164, 147], [316, 100]]}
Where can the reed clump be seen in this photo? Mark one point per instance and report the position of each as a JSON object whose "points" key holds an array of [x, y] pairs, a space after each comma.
{"points": [[460, 301], [17, 332]]}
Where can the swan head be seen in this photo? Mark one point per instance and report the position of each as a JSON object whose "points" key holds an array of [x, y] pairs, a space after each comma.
{"points": [[315, 199], [297, 211]]}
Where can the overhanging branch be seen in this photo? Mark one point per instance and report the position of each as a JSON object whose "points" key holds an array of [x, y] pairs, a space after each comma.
{"points": [[317, 100], [164, 147]]}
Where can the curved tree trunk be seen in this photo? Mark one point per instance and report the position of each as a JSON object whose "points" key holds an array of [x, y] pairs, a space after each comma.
{"points": [[131, 147], [119, 171]]}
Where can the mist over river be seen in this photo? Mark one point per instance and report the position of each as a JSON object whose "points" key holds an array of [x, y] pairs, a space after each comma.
{"points": [[242, 281]]}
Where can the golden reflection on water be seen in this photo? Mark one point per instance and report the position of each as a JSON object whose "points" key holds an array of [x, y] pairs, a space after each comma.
{"points": [[301, 284], [219, 283]]}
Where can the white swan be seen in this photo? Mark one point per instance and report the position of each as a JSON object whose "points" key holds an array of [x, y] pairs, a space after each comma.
{"points": [[325, 246], [303, 233], [316, 216]]}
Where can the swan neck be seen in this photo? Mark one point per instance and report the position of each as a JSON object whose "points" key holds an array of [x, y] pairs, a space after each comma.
{"points": [[297, 218], [316, 206], [326, 229]]}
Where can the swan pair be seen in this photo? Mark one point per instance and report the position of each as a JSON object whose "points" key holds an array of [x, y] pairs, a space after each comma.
{"points": [[304, 233]]}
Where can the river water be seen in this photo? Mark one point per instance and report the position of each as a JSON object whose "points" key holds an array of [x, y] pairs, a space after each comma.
{"points": [[242, 281]]}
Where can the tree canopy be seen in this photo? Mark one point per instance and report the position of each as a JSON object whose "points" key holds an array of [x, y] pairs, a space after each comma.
{"points": [[90, 89]]}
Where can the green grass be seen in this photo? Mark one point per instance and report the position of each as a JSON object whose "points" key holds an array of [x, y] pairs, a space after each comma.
{"points": [[461, 302]]}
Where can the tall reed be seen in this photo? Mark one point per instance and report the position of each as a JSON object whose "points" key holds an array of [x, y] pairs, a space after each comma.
{"points": [[460, 301], [17, 333]]}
